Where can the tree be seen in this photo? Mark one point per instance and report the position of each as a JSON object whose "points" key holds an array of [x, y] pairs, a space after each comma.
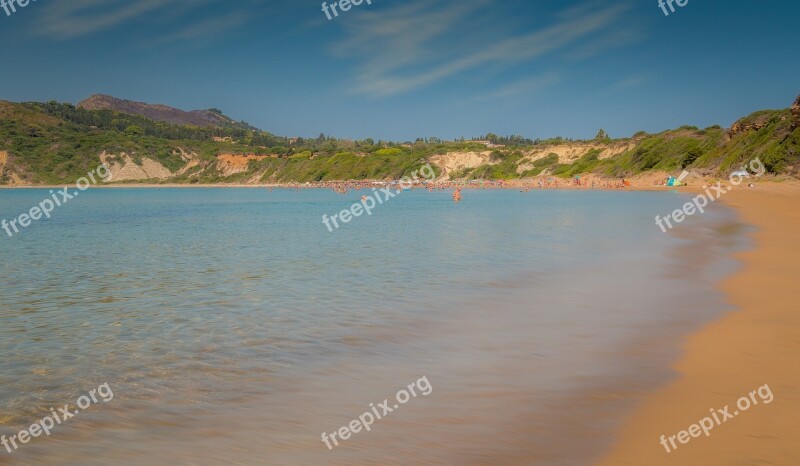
{"points": [[693, 154], [134, 130], [601, 135]]}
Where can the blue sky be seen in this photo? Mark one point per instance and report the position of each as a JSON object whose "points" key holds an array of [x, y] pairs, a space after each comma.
{"points": [[402, 69]]}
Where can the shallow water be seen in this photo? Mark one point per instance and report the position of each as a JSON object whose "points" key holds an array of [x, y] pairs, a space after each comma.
{"points": [[234, 328]]}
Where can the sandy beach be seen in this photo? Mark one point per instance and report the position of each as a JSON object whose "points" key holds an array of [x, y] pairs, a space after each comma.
{"points": [[755, 344]]}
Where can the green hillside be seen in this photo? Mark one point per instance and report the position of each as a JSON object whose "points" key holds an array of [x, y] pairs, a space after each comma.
{"points": [[55, 143]]}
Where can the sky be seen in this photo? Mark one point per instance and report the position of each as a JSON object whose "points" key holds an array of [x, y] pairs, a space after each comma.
{"points": [[403, 69]]}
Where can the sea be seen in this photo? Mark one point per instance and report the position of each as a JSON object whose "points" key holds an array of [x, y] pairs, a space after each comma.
{"points": [[233, 327]]}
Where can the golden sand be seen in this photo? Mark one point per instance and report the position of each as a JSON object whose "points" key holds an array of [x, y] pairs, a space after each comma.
{"points": [[757, 344]]}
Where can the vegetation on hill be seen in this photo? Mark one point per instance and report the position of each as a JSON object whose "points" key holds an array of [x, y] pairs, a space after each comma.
{"points": [[212, 117], [56, 143]]}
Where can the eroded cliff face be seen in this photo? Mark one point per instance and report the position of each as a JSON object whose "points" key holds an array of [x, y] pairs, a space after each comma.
{"points": [[737, 128], [8, 176], [124, 168]]}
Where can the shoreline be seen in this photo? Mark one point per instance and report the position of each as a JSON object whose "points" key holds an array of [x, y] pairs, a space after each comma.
{"points": [[755, 343], [641, 182]]}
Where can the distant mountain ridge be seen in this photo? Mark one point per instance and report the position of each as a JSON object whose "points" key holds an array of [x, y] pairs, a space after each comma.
{"points": [[158, 112]]}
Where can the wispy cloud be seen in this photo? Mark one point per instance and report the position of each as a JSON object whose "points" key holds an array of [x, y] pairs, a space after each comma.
{"points": [[628, 34], [417, 44], [64, 20], [528, 85], [207, 27], [75, 18]]}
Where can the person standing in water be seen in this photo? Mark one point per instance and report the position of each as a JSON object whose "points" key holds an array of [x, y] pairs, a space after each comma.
{"points": [[457, 195]]}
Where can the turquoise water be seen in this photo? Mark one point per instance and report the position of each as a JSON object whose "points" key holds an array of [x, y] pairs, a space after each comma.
{"points": [[234, 328]]}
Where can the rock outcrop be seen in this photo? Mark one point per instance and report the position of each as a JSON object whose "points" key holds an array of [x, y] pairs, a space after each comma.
{"points": [[453, 162], [232, 164], [128, 170], [743, 127]]}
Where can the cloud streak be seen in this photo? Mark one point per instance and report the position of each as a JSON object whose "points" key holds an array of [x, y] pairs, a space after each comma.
{"points": [[207, 27], [75, 18], [527, 86], [65, 20], [416, 45]]}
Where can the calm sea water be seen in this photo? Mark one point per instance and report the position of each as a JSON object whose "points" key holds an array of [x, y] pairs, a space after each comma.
{"points": [[234, 328]]}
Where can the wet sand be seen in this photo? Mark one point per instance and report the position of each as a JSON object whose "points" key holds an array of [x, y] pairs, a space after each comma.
{"points": [[757, 343]]}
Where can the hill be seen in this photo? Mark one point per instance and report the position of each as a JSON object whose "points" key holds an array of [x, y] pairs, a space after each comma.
{"points": [[158, 112], [57, 143]]}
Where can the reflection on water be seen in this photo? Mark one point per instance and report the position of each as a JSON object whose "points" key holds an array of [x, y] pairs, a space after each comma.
{"points": [[235, 329]]}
